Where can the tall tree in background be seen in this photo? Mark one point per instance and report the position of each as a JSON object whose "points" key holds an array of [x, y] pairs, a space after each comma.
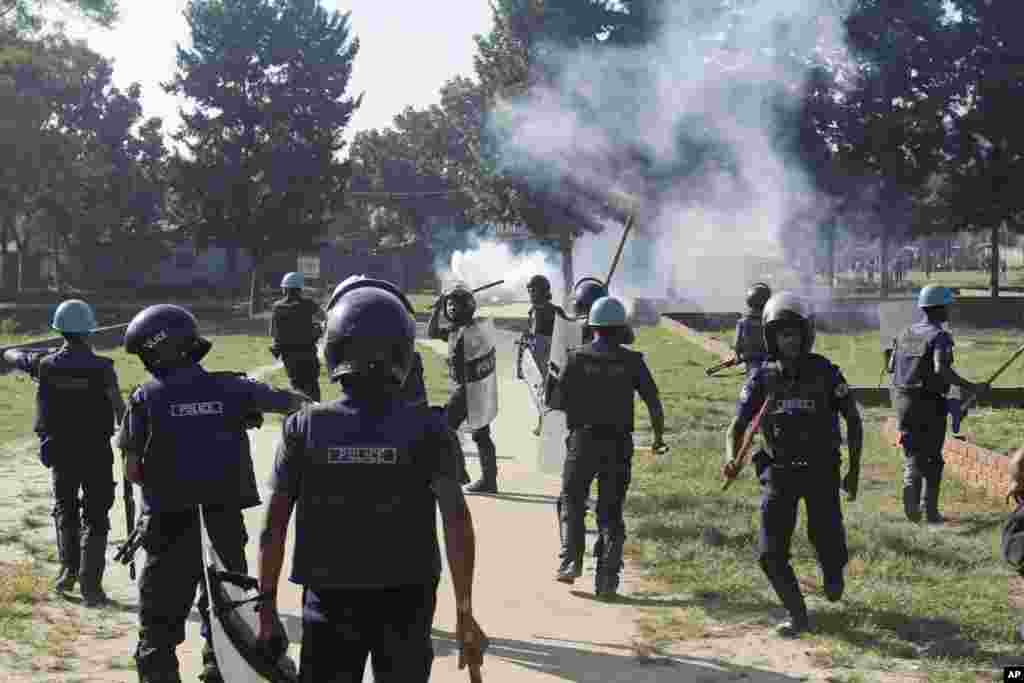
{"points": [[74, 168], [26, 16], [890, 128], [986, 145], [268, 79]]}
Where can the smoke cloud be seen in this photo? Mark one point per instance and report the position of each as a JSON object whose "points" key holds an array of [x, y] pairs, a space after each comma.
{"points": [[483, 261], [693, 125]]}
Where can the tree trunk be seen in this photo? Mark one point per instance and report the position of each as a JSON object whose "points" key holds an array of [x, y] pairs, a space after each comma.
{"points": [[255, 284], [993, 265], [883, 265], [21, 268], [927, 262], [567, 271]]}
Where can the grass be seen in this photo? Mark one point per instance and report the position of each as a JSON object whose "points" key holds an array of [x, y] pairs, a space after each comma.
{"points": [[978, 353], [906, 584]]}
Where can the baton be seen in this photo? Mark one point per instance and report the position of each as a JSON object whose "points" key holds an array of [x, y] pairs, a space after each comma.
{"points": [[748, 442], [493, 284], [618, 252], [969, 403]]}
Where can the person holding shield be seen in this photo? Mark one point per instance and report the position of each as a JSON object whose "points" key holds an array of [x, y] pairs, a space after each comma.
{"points": [[471, 365]]}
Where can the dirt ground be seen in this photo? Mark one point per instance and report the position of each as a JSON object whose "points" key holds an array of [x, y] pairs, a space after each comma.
{"points": [[540, 630]]}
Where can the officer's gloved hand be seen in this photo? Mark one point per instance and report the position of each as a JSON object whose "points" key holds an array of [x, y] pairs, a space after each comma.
{"points": [[472, 640]]}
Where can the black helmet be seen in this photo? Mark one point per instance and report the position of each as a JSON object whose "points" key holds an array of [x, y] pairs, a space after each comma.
{"points": [[370, 334], [585, 293], [465, 304], [541, 285], [786, 308], [164, 336], [357, 281], [758, 295]]}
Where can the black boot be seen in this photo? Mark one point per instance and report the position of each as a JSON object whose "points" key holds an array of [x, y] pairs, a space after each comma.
{"points": [[606, 580], [161, 677], [69, 552], [912, 501], [488, 481], [932, 488], [571, 555], [783, 580], [94, 559], [832, 584]]}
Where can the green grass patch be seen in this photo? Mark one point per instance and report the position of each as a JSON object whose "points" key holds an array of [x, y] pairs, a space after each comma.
{"points": [[22, 586], [907, 597]]}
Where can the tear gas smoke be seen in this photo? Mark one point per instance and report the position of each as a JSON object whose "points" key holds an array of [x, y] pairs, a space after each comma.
{"points": [[708, 110], [488, 260]]}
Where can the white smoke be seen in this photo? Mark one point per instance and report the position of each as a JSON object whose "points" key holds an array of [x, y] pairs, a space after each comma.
{"points": [[708, 232], [489, 260]]}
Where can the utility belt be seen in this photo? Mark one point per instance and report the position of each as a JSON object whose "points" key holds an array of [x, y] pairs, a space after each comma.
{"points": [[799, 462]]}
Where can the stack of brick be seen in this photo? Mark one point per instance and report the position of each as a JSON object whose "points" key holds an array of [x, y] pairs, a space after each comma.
{"points": [[972, 464]]}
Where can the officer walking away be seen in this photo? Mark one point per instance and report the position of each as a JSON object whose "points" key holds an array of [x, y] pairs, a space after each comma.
{"points": [[77, 404], [296, 325], [184, 442], [587, 291], [340, 460], [805, 394], [600, 441], [921, 364], [458, 308], [749, 345], [414, 390]]}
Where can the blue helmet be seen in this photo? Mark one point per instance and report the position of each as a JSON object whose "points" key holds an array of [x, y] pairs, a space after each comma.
{"points": [[585, 293], [607, 312], [934, 295], [165, 335], [74, 316], [293, 281], [370, 334]]}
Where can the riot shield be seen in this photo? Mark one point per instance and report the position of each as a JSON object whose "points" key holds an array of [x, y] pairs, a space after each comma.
{"points": [[894, 317], [481, 379], [534, 378], [568, 334], [234, 624]]}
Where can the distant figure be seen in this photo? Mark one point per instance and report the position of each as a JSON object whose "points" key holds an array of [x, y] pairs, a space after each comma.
{"points": [[295, 325]]}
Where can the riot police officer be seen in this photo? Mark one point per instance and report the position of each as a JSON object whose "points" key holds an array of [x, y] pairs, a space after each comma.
{"points": [[922, 372], [414, 390], [458, 308], [585, 293], [749, 344], [600, 441], [295, 325], [78, 403], [806, 394], [541, 320], [340, 460], [184, 442]]}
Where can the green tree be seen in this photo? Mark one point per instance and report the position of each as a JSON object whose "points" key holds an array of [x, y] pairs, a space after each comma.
{"points": [[26, 16], [268, 79], [986, 145]]}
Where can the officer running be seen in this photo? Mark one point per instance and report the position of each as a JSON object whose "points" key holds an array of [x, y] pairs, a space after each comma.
{"points": [[540, 329], [922, 371], [600, 442], [344, 460], [749, 345], [459, 307], [77, 404], [296, 325], [184, 442], [806, 394]]}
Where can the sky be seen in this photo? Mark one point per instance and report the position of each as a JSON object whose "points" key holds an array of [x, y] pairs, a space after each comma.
{"points": [[407, 51]]}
